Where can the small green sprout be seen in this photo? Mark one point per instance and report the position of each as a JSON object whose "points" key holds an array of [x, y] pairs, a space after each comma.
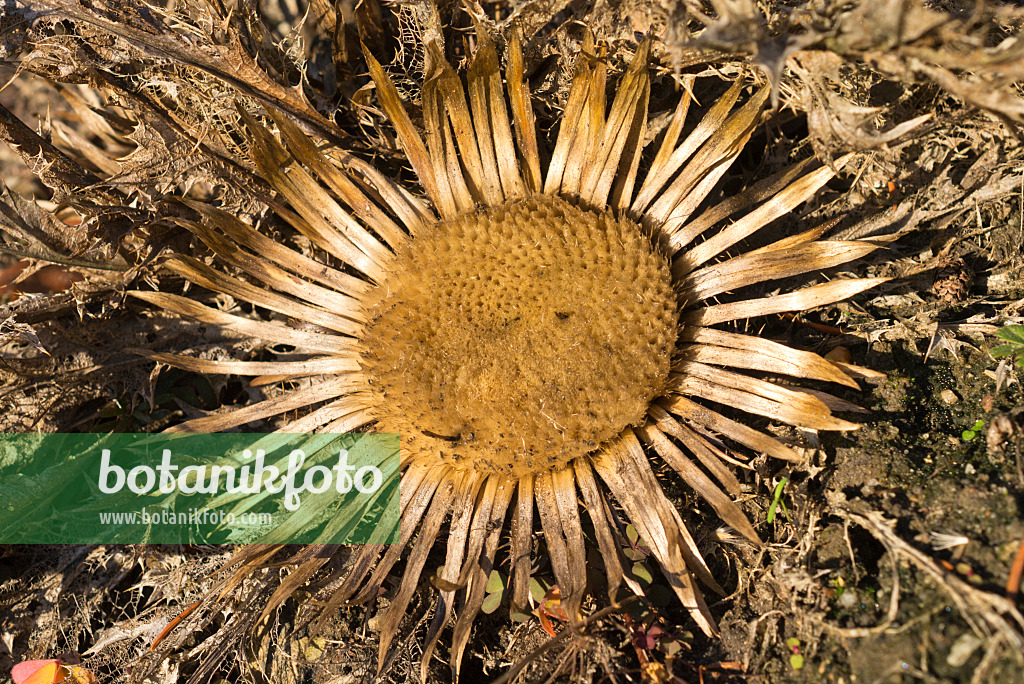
{"points": [[973, 431], [796, 660], [494, 589], [777, 500], [638, 552]]}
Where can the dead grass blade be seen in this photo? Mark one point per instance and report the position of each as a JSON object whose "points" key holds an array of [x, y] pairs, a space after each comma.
{"points": [[300, 264], [408, 138], [708, 454], [758, 192], [306, 152], [458, 535], [601, 517], [440, 506], [493, 133], [325, 415], [275, 277], [675, 127], [622, 134], [326, 223], [712, 121], [484, 186], [317, 366], [675, 205], [575, 118], [438, 480], [522, 543], [453, 194]]}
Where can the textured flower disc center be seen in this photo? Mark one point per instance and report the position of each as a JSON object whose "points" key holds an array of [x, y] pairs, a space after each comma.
{"points": [[515, 339]]}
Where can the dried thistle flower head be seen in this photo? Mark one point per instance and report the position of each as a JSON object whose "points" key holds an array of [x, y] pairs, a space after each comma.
{"points": [[527, 332], [516, 339]]}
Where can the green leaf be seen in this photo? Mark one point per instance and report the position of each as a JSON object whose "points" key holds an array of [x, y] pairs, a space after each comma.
{"points": [[797, 661], [631, 534], [633, 554], [1014, 334], [491, 603], [641, 572], [495, 585], [1003, 350], [537, 590]]}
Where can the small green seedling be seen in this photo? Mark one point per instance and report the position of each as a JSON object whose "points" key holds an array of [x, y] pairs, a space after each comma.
{"points": [[494, 589], [637, 552], [777, 500], [973, 431], [1013, 335], [796, 660]]}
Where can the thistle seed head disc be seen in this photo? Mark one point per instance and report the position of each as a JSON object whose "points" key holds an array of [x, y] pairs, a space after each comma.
{"points": [[515, 339]]}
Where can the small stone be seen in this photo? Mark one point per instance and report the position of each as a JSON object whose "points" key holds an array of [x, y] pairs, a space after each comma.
{"points": [[962, 649], [849, 598], [969, 469], [949, 397]]}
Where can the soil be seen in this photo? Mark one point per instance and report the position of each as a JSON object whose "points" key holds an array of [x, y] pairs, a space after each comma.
{"points": [[888, 554]]}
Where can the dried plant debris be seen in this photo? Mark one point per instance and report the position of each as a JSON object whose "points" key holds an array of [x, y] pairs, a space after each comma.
{"points": [[171, 150]]}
